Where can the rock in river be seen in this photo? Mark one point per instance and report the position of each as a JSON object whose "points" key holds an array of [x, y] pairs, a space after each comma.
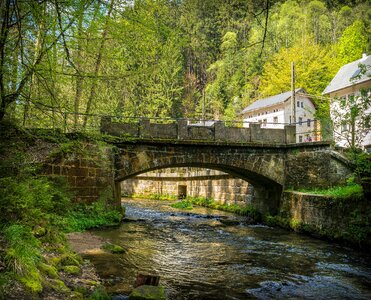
{"points": [[148, 292]]}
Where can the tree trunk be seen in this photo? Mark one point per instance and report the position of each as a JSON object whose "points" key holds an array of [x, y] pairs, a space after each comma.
{"points": [[5, 10], [38, 48], [98, 65], [79, 78]]}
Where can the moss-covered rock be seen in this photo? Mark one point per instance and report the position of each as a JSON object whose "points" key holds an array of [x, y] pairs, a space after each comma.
{"points": [[148, 292], [39, 231], [69, 259], [76, 296], [72, 270], [32, 281], [48, 270], [116, 249], [58, 286]]}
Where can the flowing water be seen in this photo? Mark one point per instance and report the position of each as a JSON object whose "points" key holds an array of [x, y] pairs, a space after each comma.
{"points": [[198, 255]]}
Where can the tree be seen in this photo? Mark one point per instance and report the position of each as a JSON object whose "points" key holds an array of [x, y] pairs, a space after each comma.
{"points": [[314, 69], [352, 43], [352, 119], [225, 87]]}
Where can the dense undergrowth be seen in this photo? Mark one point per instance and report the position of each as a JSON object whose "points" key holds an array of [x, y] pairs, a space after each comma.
{"points": [[36, 212]]}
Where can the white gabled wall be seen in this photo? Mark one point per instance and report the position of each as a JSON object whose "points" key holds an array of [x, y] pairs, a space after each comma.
{"points": [[276, 116]]}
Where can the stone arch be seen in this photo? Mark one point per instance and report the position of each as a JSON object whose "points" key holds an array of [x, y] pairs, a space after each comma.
{"points": [[264, 170]]}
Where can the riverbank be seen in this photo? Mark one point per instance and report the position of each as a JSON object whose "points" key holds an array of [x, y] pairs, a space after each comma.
{"points": [[341, 219], [37, 211]]}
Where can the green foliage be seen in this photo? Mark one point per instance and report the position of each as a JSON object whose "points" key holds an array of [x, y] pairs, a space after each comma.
{"points": [[276, 221], [352, 190], [163, 57], [31, 200], [113, 248], [71, 270], [100, 294], [314, 64], [86, 216], [23, 255], [359, 228], [164, 197], [362, 162], [353, 113], [247, 210], [353, 42], [184, 204]]}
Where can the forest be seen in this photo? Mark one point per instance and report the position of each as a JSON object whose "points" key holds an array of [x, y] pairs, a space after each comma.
{"points": [[168, 58]]}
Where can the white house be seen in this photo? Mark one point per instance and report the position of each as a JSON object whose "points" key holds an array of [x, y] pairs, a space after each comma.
{"points": [[275, 112], [345, 91]]}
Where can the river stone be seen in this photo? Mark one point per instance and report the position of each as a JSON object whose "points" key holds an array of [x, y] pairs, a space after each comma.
{"points": [[148, 292], [229, 222]]}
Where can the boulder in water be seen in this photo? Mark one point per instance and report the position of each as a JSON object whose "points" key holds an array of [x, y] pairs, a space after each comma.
{"points": [[148, 292]]}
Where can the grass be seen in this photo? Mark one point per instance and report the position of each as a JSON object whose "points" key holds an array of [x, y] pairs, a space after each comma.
{"points": [[184, 204], [23, 255], [339, 192], [247, 210], [164, 197]]}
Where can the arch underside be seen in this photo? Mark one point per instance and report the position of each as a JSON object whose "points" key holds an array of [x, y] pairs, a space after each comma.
{"points": [[267, 192]]}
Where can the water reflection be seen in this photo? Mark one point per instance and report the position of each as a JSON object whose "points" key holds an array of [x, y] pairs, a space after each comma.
{"points": [[198, 257]]}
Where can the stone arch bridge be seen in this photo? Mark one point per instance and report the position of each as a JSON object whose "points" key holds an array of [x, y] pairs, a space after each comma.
{"points": [[267, 158], [270, 168]]}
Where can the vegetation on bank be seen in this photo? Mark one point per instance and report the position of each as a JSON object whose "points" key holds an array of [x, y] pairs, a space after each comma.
{"points": [[36, 212], [164, 197], [351, 190], [246, 210]]}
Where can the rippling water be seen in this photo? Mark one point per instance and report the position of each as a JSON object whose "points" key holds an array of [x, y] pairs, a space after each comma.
{"points": [[198, 257]]}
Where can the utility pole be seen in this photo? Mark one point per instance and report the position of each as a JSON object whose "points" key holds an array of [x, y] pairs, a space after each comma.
{"points": [[203, 106], [293, 109]]}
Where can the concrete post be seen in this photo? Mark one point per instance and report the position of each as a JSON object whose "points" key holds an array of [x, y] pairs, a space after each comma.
{"points": [[145, 128], [255, 132], [219, 131], [105, 123], [290, 134], [182, 129]]}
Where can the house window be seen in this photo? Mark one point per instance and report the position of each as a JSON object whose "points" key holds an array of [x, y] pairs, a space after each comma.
{"points": [[308, 122], [300, 120], [300, 138], [302, 104], [264, 122], [298, 103], [275, 120], [344, 127]]}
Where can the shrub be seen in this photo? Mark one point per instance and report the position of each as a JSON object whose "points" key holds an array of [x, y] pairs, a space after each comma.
{"points": [[31, 200]]}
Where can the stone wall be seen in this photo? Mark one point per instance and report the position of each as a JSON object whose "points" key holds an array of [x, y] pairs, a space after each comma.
{"points": [[88, 170], [213, 184], [305, 168], [345, 219]]}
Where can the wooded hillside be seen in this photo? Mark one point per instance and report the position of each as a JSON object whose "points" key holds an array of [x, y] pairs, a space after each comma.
{"points": [[169, 58]]}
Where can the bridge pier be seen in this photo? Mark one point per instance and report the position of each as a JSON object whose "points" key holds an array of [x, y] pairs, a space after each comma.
{"points": [[267, 200]]}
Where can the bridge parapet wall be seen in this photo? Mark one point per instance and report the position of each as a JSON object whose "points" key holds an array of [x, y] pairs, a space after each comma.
{"points": [[182, 130]]}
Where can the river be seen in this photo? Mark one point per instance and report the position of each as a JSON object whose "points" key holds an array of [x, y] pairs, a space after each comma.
{"points": [[198, 256]]}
